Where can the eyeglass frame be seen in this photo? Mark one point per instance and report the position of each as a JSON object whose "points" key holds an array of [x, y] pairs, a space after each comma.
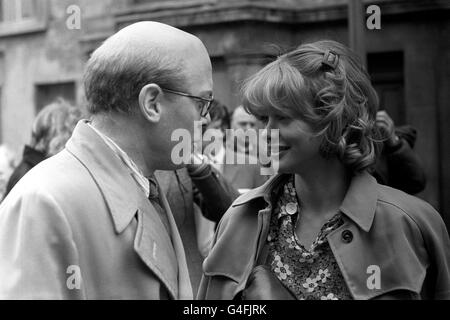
{"points": [[205, 108]]}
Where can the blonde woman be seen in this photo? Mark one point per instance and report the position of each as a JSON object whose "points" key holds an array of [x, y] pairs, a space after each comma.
{"points": [[323, 228]]}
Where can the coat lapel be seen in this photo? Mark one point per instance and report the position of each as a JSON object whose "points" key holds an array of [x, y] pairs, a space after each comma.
{"points": [[125, 201], [155, 247]]}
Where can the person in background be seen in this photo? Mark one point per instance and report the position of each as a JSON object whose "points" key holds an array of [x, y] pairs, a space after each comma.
{"points": [[216, 127], [7, 165], [323, 228], [51, 129], [398, 165], [245, 121], [247, 175], [215, 157]]}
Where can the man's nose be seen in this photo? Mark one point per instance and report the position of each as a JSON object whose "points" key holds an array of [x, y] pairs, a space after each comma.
{"points": [[206, 120]]}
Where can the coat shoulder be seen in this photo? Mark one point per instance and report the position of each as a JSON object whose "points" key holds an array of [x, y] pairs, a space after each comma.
{"points": [[411, 209], [61, 177]]}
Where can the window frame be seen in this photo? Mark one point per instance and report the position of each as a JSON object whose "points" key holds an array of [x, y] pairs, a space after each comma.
{"points": [[24, 25]]}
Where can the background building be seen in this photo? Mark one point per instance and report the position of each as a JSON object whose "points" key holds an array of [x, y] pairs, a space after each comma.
{"points": [[408, 58]]}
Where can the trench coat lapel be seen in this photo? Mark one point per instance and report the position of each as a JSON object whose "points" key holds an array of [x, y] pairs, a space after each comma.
{"points": [[125, 202], [155, 247]]}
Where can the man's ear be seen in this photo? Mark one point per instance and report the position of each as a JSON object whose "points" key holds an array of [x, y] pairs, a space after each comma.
{"points": [[149, 102]]}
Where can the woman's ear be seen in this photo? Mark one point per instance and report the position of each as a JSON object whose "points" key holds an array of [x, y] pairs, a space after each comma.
{"points": [[149, 102]]}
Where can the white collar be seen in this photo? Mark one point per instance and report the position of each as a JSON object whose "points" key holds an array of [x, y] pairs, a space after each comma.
{"points": [[137, 174]]}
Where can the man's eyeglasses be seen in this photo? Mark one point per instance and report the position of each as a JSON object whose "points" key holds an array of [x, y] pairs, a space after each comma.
{"points": [[206, 103]]}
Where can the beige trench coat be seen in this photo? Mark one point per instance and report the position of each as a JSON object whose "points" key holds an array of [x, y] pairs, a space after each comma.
{"points": [[77, 226]]}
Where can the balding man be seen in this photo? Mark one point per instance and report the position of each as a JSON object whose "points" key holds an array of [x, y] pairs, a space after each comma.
{"points": [[90, 223]]}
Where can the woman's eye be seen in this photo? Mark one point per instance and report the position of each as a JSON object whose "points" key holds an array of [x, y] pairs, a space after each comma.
{"points": [[263, 119], [279, 117]]}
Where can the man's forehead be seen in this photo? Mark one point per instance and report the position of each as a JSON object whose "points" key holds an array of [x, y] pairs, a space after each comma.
{"points": [[199, 80]]}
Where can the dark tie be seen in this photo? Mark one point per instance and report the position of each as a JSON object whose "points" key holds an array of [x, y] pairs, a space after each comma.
{"points": [[154, 199]]}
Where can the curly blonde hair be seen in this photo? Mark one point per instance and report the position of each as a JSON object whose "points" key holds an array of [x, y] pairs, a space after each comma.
{"points": [[338, 101], [53, 126]]}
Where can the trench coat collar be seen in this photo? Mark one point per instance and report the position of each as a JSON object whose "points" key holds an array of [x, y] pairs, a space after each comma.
{"points": [[112, 176], [359, 203], [163, 253]]}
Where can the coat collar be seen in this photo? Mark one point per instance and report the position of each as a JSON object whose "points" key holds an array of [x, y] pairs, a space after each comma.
{"points": [[263, 191], [112, 177], [359, 203], [163, 253]]}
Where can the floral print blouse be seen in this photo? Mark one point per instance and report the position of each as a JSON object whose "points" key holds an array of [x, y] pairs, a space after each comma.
{"points": [[310, 274]]}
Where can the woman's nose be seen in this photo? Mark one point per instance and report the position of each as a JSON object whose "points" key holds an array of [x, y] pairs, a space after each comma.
{"points": [[269, 124]]}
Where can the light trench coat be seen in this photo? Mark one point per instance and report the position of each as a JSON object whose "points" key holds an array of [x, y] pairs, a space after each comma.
{"points": [[77, 226]]}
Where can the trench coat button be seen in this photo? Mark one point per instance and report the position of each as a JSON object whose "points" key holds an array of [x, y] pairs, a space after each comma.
{"points": [[347, 236], [291, 208]]}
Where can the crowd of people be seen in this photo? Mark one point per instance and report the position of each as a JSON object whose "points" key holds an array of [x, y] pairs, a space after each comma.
{"points": [[97, 192]]}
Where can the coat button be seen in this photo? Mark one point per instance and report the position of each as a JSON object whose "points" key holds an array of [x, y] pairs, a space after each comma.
{"points": [[291, 208], [347, 236]]}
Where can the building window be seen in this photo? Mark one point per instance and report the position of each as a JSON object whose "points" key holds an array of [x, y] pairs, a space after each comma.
{"points": [[47, 93], [22, 16], [387, 74], [16, 10]]}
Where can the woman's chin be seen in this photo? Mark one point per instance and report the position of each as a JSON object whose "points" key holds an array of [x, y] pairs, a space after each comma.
{"points": [[284, 168], [281, 162], [277, 156]]}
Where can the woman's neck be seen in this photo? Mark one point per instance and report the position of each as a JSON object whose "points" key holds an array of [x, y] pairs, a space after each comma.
{"points": [[322, 187]]}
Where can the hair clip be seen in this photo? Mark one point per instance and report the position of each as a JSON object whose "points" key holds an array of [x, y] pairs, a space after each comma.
{"points": [[331, 59]]}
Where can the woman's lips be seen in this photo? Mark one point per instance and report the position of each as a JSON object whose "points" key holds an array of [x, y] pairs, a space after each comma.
{"points": [[277, 150], [278, 147]]}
